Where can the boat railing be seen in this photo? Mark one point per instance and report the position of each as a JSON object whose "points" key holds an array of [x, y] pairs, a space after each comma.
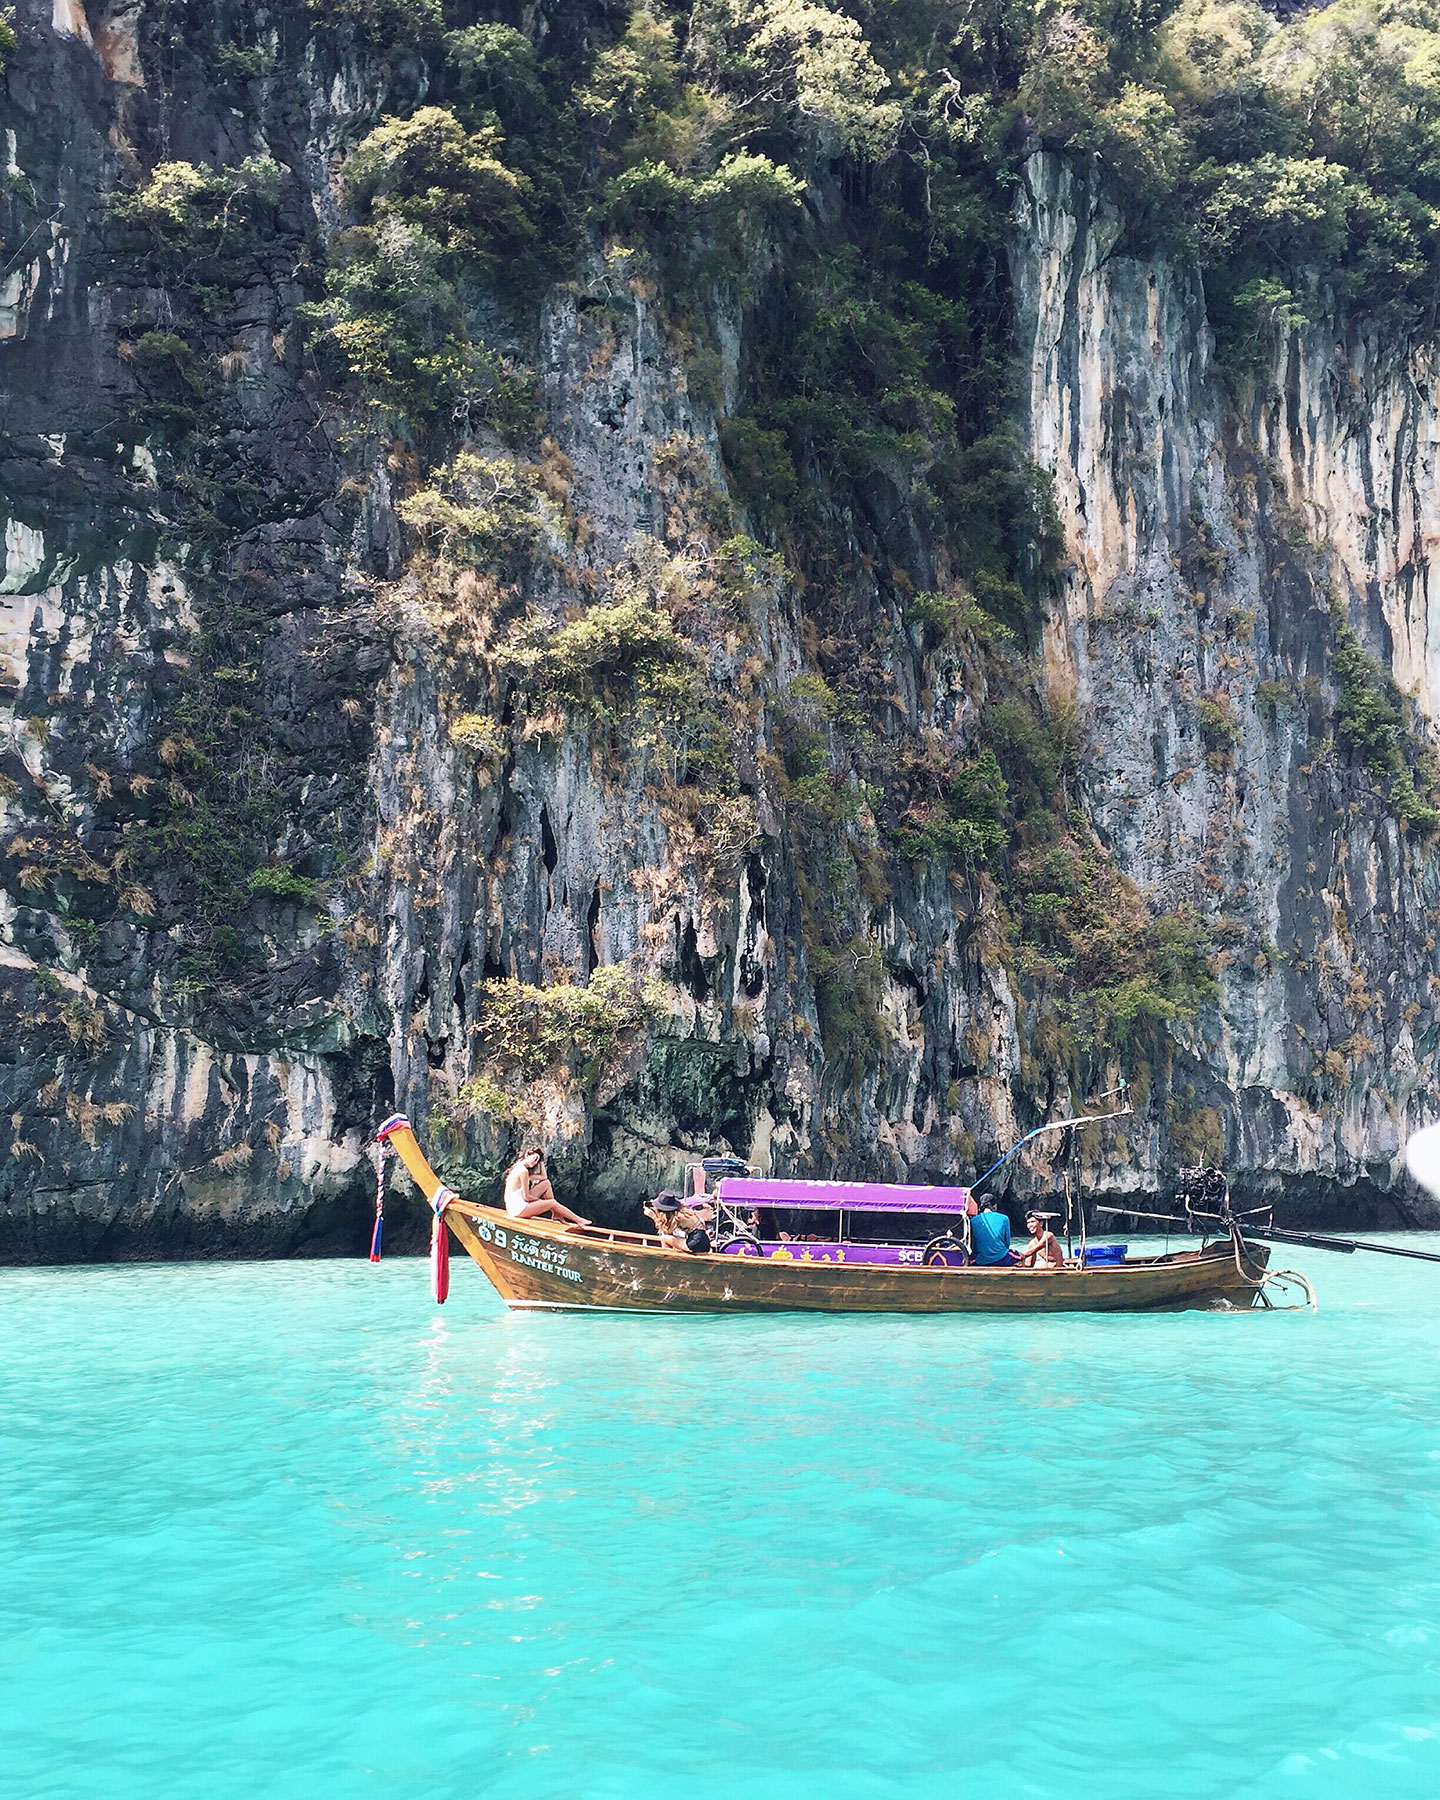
{"points": [[606, 1234]]}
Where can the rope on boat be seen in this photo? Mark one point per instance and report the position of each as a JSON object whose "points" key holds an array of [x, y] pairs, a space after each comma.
{"points": [[1267, 1278], [1260, 1282], [1283, 1278], [379, 1230], [1121, 1112]]}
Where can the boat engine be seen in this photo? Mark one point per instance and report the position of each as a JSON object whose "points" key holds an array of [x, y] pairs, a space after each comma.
{"points": [[1205, 1194], [1206, 1197]]}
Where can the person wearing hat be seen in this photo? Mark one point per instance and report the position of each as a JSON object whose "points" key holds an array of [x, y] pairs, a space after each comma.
{"points": [[1043, 1251], [677, 1223]]}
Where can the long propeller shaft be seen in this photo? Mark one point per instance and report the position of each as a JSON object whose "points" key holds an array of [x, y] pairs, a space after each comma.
{"points": [[1278, 1235], [1346, 1245]]}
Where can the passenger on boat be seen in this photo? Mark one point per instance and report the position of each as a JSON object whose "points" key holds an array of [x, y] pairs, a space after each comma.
{"points": [[680, 1227], [990, 1236], [528, 1193], [1043, 1251]]}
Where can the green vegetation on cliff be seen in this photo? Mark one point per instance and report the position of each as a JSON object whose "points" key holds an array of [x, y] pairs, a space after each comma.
{"points": [[1299, 160], [846, 182]]}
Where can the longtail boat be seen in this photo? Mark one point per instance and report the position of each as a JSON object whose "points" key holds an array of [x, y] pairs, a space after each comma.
{"points": [[544, 1265]]}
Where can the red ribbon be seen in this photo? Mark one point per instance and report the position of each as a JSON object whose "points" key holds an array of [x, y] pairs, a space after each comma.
{"points": [[440, 1247]]}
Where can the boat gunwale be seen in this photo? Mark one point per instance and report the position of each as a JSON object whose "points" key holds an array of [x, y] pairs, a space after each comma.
{"points": [[634, 1242]]}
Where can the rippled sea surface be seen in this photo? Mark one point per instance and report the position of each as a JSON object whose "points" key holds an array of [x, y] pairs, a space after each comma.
{"points": [[277, 1530]]}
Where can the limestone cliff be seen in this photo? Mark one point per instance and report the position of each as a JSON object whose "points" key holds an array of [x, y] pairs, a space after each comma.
{"points": [[1211, 539], [303, 824]]}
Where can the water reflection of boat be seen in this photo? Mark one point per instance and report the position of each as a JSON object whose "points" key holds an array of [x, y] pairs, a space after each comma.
{"points": [[537, 1264]]}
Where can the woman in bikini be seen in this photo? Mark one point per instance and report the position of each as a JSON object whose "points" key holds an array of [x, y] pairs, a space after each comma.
{"points": [[528, 1193]]}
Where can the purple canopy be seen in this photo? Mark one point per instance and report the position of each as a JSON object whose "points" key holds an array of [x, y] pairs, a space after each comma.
{"points": [[842, 1196]]}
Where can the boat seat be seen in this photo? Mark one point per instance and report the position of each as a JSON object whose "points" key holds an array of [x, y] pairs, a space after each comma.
{"points": [[904, 1255]]}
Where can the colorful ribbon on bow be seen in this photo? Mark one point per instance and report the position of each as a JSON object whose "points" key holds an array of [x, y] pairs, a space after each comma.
{"points": [[409, 1153], [379, 1230], [440, 1246]]}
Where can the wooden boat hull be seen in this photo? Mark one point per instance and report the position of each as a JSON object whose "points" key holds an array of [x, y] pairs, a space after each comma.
{"points": [[539, 1265]]}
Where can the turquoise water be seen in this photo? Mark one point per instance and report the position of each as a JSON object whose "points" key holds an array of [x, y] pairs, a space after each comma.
{"points": [[287, 1530]]}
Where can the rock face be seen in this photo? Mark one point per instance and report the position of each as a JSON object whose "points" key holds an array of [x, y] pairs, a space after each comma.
{"points": [[155, 1109], [227, 648], [1209, 542]]}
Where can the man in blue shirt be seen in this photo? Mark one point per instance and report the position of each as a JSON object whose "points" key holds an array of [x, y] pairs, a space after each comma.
{"points": [[990, 1236]]}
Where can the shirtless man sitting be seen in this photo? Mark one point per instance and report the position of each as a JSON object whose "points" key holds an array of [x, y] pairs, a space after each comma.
{"points": [[1043, 1251], [528, 1193]]}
